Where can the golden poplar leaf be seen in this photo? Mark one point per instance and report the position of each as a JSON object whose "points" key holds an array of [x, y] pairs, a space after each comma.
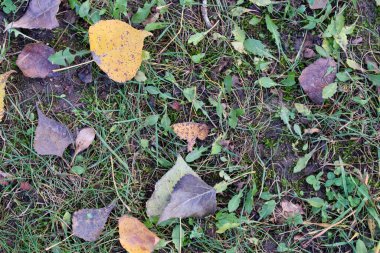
{"points": [[117, 48], [190, 131], [3, 80], [135, 237]]}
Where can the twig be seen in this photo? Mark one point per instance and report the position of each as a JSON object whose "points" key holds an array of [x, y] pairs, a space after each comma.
{"points": [[205, 15], [179, 31], [52, 246], [73, 66]]}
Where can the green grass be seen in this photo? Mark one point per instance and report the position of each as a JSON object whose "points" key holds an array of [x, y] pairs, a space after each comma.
{"points": [[260, 151]]}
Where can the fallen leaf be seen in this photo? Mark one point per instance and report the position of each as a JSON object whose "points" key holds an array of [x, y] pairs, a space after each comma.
{"points": [[190, 131], [88, 224], [191, 197], [117, 48], [33, 60], [316, 76], [4, 178], [135, 237], [41, 14], [52, 137], [311, 130], [318, 4], [290, 209], [3, 81], [85, 74], [25, 186], [161, 195], [84, 139]]}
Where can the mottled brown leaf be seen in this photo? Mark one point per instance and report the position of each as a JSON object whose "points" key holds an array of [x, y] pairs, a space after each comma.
{"points": [[41, 14], [316, 76], [52, 137], [290, 209], [33, 60], [88, 224], [318, 4], [135, 237], [191, 197], [190, 131]]}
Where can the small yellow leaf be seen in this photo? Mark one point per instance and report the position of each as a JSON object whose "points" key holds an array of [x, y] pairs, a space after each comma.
{"points": [[117, 48], [135, 237], [3, 80], [190, 131]]}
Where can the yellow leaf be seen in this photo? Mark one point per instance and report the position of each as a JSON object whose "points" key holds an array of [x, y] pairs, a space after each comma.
{"points": [[190, 131], [135, 237], [117, 48], [3, 80]]}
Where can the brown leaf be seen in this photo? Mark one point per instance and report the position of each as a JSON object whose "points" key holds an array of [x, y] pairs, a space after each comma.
{"points": [[135, 237], [311, 130], [3, 81], [33, 60], [316, 76], [84, 139], [52, 137], [88, 224], [41, 14], [191, 197], [290, 209], [25, 186], [190, 131], [318, 4], [3, 178]]}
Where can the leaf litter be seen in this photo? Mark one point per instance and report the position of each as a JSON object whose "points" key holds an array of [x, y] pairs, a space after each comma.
{"points": [[41, 14], [135, 237], [88, 224], [3, 81], [191, 131]]}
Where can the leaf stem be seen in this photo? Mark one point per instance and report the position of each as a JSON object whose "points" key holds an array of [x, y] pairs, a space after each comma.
{"points": [[73, 66]]}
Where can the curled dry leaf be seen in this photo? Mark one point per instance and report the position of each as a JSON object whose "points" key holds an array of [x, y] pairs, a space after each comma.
{"points": [[3, 81], [33, 60], [41, 14], [88, 224], [190, 131], [191, 197], [318, 4], [311, 130], [161, 195], [135, 237], [52, 137], [287, 210], [84, 139], [316, 76], [117, 48]]}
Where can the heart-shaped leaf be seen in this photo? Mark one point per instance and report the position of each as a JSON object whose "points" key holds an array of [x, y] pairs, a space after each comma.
{"points": [[41, 14], [33, 60], [117, 48], [88, 224], [3, 81], [52, 137], [191, 197], [161, 195], [135, 237]]}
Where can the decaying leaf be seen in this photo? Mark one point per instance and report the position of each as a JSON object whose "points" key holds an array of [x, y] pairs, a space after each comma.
{"points": [[318, 4], [190, 131], [3, 81], [117, 48], [4, 178], [316, 76], [161, 195], [191, 197], [135, 237], [88, 224], [33, 60], [290, 209], [84, 139], [41, 14], [52, 137]]}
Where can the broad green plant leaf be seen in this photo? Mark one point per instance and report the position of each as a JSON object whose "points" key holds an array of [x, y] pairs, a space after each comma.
{"points": [[266, 82], [234, 202], [329, 90], [267, 209], [65, 57], [256, 47], [163, 188], [302, 162], [261, 2], [117, 48]]}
